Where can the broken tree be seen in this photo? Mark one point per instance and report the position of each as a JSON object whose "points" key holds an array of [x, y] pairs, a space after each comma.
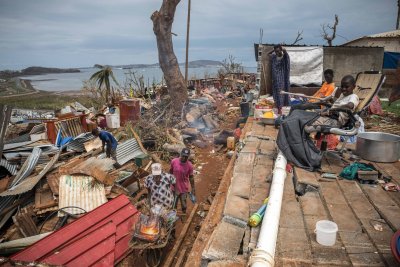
{"points": [[162, 25]]}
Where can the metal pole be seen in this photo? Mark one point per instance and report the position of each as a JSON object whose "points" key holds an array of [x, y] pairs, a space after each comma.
{"points": [[187, 44]]}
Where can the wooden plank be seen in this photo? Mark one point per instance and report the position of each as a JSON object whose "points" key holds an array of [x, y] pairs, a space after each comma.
{"points": [[306, 177], [391, 170], [384, 204], [44, 198], [313, 211], [292, 242], [182, 235], [359, 247]]}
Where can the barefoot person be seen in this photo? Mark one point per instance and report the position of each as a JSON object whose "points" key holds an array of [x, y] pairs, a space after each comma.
{"points": [[109, 140], [182, 169]]}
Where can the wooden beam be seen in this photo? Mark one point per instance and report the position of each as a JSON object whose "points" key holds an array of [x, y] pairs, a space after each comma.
{"points": [[182, 235]]}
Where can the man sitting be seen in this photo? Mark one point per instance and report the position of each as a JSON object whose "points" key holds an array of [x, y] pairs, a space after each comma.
{"points": [[326, 90], [293, 136], [347, 100]]}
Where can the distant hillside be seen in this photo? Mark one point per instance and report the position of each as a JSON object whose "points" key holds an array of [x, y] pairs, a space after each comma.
{"points": [[6, 74], [192, 64]]}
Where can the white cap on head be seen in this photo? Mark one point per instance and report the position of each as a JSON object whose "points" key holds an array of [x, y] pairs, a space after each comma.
{"points": [[156, 169]]}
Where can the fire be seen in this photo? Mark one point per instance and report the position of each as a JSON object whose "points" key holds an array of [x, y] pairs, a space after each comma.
{"points": [[150, 229]]}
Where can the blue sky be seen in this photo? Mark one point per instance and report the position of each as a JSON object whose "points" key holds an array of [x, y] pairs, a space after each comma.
{"points": [[80, 33]]}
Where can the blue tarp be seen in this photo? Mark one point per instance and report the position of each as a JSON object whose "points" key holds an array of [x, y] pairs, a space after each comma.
{"points": [[391, 60]]}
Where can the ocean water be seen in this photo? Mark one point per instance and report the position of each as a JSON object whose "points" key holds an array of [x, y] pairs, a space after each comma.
{"points": [[74, 81]]}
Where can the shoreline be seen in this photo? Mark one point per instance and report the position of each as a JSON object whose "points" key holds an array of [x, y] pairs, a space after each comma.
{"points": [[25, 85]]}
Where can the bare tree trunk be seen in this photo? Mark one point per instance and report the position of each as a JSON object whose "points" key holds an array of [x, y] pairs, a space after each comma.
{"points": [[162, 25]]}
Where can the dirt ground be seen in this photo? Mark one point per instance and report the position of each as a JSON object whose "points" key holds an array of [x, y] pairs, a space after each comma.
{"points": [[209, 166], [388, 123]]}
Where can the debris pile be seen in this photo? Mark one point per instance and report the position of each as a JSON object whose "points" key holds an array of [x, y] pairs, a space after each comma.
{"points": [[59, 192]]}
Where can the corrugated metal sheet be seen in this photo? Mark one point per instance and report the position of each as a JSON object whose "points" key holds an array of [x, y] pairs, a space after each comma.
{"points": [[128, 150], [69, 127], [80, 191], [28, 167], [17, 145], [390, 34], [5, 114], [24, 172], [11, 168], [75, 241], [38, 129], [30, 182], [19, 139], [78, 143]]}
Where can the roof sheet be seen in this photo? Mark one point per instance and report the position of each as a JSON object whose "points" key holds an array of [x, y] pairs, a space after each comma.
{"points": [[80, 191], [30, 182], [390, 34], [76, 240], [128, 150], [11, 168]]}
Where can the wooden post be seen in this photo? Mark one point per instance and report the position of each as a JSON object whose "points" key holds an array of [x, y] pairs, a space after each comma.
{"points": [[187, 44]]}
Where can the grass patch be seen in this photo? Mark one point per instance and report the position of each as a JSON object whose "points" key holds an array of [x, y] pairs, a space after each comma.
{"points": [[44, 100], [393, 108]]}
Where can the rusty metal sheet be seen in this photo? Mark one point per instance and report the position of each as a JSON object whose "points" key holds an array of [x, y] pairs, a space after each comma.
{"points": [[44, 199], [96, 168], [25, 224], [53, 180], [4, 182], [92, 144], [80, 191], [5, 114]]}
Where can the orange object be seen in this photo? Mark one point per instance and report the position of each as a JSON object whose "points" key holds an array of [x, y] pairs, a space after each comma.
{"points": [[332, 140], [325, 90]]}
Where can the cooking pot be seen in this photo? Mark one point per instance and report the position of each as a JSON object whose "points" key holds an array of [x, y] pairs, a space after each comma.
{"points": [[378, 147]]}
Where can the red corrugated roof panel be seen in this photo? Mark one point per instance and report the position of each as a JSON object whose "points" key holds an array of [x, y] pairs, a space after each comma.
{"points": [[90, 239]]}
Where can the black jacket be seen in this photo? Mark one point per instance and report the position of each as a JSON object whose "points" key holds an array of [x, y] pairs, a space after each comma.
{"points": [[296, 144]]}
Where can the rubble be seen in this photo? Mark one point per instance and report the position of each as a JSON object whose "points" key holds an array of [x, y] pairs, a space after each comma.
{"points": [[54, 176]]}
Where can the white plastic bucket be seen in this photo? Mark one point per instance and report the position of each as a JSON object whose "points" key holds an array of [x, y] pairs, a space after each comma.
{"points": [[326, 232], [112, 121]]}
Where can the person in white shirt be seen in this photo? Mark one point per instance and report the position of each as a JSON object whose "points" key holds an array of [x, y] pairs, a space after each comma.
{"points": [[347, 100]]}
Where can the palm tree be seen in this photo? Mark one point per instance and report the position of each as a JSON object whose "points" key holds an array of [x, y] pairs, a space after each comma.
{"points": [[103, 77]]}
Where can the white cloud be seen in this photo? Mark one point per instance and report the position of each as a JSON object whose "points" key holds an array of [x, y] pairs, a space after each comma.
{"points": [[84, 32]]}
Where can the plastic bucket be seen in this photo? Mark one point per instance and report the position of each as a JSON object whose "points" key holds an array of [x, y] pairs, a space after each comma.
{"points": [[326, 232], [112, 121]]}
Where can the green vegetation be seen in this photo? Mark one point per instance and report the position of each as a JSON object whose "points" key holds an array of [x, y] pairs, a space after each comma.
{"points": [[45, 100], [393, 108], [102, 77]]}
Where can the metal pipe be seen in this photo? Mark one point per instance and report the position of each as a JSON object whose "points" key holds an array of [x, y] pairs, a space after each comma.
{"points": [[264, 253]]}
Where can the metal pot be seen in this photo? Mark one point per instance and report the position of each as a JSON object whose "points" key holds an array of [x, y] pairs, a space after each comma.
{"points": [[378, 147]]}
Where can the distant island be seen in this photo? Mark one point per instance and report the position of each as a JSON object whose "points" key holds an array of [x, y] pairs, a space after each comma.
{"points": [[192, 64], [7, 74]]}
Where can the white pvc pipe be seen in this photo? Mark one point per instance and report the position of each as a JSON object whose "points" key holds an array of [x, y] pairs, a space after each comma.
{"points": [[264, 253]]}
